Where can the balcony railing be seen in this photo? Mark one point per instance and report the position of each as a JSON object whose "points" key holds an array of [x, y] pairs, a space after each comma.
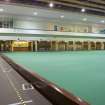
{"points": [[48, 33]]}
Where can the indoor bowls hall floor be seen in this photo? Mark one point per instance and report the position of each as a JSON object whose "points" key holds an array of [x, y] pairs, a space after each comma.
{"points": [[82, 73]]}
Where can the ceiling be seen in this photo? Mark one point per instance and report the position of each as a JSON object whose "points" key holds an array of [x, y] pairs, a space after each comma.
{"points": [[96, 7], [26, 12]]}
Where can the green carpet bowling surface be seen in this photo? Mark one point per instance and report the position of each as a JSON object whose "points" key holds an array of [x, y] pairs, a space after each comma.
{"points": [[82, 73]]}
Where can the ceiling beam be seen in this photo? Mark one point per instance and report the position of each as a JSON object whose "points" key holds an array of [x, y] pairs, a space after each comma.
{"points": [[96, 1], [82, 3], [73, 5]]}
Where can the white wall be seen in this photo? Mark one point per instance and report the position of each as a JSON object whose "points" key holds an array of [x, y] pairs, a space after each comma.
{"points": [[30, 24], [46, 24]]}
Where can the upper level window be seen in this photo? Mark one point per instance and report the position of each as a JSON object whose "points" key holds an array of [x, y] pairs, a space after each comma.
{"points": [[6, 23], [0, 24]]}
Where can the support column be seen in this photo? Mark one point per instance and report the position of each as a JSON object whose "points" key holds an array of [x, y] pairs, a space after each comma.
{"points": [[102, 46], [89, 45], [51, 46], [11, 46], [32, 45], [12, 49], [82, 45], [36, 46], [95, 45], [67, 46], [74, 46], [56, 45]]}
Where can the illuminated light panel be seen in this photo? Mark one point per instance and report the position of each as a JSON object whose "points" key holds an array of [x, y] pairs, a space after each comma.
{"points": [[1, 9], [51, 5], [35, 13], [83, 10], [84, 19], [102, 21], [62, 16]]}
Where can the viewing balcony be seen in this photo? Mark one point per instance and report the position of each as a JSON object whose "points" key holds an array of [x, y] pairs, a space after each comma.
{"points": [[46, 33]]}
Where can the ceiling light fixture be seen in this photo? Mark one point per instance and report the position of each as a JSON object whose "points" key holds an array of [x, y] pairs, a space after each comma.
{"points": [[51, 5], [84, 19], [83, 10], [62, 16], [102, 21], [35, 13], [1, 9]]}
